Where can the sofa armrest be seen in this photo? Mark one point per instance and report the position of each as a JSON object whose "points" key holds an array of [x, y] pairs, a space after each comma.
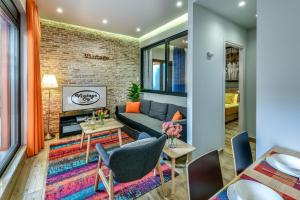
{"points": [[104, 155], [181, 122], [120, 109]]}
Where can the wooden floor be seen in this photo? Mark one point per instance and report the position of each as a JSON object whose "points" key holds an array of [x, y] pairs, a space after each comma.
{"points": [[31, 183]]}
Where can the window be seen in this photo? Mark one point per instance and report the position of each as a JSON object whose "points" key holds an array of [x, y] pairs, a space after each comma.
{"points": [[9, 83], [157, 76]]}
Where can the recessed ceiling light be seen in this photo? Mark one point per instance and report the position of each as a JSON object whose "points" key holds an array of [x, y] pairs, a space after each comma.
{"points": [[138, 29], [256, 15], [59, 10], [104, 21], [179, 3], [242, 3]]}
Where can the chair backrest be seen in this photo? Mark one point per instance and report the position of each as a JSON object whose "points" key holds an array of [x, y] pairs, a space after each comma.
{"points": [[204, 176], [133, 163], [241, 152]]}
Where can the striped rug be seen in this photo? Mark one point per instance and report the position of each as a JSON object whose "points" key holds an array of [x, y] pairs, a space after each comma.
{"points": [[70, 177]]}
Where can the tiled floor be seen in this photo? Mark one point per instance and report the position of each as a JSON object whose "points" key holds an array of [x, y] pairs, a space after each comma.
{"points": [[31, 183]]}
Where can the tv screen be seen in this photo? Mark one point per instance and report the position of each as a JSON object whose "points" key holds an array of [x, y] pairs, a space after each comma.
{"points": [[80, 98]]}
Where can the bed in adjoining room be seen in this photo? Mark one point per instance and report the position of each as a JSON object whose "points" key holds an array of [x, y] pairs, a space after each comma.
{"points": [[231, 106]]}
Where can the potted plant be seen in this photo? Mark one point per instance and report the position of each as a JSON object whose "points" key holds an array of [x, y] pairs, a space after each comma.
{"points": [[134, 92], [173, 131]]}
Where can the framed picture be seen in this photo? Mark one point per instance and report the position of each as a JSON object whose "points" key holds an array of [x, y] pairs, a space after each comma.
{"points": [[80, 98]]}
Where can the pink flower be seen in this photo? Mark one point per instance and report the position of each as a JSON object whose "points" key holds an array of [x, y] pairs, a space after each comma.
{"points": [[172, 130]]}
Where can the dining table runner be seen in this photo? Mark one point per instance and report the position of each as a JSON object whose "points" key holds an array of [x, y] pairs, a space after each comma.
{"points": [[266, 169], [223, 194]]}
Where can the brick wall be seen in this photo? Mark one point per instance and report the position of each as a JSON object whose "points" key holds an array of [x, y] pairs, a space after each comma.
{"points": [[62, 53]]}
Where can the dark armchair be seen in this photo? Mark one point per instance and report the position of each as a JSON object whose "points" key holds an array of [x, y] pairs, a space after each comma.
{"points": [[130, 163]]}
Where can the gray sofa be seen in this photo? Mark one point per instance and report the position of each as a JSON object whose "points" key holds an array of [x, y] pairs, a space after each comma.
{"points": [[151, 117]]}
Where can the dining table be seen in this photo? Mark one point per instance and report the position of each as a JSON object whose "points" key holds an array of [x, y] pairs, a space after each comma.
{"points": [[288, 187]]}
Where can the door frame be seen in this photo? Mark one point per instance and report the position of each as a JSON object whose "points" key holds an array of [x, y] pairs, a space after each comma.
{"points": [[242, 64]]}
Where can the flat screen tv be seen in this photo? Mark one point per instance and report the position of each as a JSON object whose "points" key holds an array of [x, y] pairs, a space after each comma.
{"points": [[81, 98]]}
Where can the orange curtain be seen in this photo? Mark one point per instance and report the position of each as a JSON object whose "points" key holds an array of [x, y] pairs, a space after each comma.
{"points": [[35, 125]]}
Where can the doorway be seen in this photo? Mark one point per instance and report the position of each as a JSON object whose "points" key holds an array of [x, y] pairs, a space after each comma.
{"points": [[233, 92]]}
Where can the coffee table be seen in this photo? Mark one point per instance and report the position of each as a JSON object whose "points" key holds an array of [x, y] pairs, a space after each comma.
{"points": [[181, 149], [109, 124]]}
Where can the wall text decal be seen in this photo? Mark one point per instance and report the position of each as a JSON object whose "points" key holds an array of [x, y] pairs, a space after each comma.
{"points": [[95, 57]]}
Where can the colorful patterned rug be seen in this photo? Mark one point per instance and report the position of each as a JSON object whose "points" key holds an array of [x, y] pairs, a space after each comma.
{"points": [[71, 178]]}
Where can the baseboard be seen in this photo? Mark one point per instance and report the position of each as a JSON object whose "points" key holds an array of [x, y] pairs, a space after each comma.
{"points": [[9, 178]]}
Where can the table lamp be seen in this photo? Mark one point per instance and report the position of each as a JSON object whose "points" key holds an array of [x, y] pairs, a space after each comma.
{"points": [[49, 82]]}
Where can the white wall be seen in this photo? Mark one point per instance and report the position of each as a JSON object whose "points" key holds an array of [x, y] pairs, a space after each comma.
{"points": [[205, 100], [181, 101], [173, 31], [278, 75], [250, 83]]}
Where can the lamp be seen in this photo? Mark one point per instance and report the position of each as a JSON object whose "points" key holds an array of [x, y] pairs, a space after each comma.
{"points": [[49, 82]]}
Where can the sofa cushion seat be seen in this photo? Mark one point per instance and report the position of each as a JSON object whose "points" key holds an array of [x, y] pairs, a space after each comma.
{"points": [[145, 120], [145, 106], [158, 110]]}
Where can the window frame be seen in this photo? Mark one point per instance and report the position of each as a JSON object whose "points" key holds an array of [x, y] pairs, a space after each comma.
{"points": [[13, 14], [166, 42]]}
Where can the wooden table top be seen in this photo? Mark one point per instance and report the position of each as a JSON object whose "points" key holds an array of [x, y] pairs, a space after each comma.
{"points": [[181, 149], [271, 182], [109, 124]]}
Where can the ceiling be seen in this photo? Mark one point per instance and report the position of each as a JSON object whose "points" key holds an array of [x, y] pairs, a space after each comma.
{"points": [[124, 16], [244, 16]]}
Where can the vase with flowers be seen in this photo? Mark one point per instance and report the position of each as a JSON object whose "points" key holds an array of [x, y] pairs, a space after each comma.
{"points": [[173, 131], [101, 116]]}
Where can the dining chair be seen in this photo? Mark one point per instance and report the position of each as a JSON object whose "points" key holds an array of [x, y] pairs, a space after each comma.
{"points": [[241, 150], [204, 176], [130, 162]]}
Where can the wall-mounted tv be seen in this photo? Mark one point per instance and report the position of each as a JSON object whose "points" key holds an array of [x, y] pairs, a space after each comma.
{"points": [[80, 98]]}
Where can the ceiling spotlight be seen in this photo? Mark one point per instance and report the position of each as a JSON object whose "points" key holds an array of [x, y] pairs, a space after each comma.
{"points": [[179, 3], [242, 3], [104, 21], [59, 10], [138, 29], [256, 15]]}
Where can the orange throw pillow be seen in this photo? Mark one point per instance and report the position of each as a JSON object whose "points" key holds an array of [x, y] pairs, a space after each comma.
{"points": [[133, 107], [177, 116]]}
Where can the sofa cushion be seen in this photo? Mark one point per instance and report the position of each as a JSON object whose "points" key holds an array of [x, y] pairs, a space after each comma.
{"points": [[133, 107], [145, 120], [158, 110], [177, 116], [172, 109], [145, 106]]}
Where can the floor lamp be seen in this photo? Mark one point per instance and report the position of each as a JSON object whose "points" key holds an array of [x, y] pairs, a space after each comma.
{"points": [[49, 82]]}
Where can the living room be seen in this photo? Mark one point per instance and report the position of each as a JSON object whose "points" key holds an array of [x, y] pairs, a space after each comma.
{"points": [[127, 100]]}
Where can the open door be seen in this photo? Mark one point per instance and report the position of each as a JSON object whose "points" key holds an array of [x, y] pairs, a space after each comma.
{"points": [[233, 91]]}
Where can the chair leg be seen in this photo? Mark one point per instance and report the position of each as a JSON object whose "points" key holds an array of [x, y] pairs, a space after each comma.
{"points": [[82, 138], [111, 186], [154, 172], [163, 185], [97, 174]]}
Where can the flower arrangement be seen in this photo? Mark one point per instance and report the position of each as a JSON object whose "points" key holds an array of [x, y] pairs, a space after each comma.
{"points": [[101, 115], [173, 131]]}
